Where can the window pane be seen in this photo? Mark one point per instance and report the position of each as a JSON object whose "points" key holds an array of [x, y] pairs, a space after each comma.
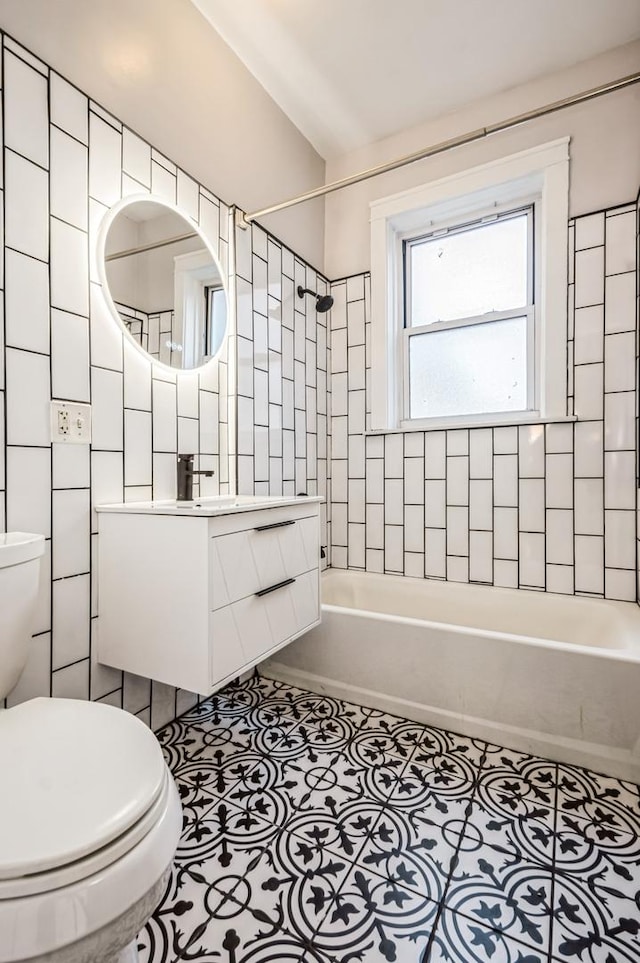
{"points": [[470, 273], [476, 369], [217, 319]]}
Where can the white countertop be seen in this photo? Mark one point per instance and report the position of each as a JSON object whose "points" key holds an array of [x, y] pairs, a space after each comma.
{"points": [[213, 505]]}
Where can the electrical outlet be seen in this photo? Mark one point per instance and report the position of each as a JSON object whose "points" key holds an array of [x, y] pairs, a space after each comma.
{"points": [[63, 421], [70, 424]]}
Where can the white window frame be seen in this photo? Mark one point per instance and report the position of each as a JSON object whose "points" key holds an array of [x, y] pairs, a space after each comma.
{"points": [[539, 176]]}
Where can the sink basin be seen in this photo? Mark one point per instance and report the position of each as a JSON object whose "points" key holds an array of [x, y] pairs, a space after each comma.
{"points": [[211, 505], [214, 501], [219, 502]]}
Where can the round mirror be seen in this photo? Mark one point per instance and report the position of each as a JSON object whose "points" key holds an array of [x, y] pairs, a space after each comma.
{"points": [[165, 282]]}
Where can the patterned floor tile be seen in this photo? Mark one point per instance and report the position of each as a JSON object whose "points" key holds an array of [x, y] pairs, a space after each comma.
{"points": [[585, 848], [300, 742], [537, 768], [419, 788], [293, 883], [321, 707], [364, 718], [195, 800], [341, 827], [607, 802], [625, 793], [268, 790], [178, 920], [223, 825], [220, 770], [593, 922], [234, 699], [279, 707], [526, 836], [206, 742], [435, 744], [201, 921], [375, 919], [503, 892], [513, 796], [462, 940], [325, 734], [360, 717], [324, 832], [612, 831], [417, 860], [374, 747], [318, 784]]}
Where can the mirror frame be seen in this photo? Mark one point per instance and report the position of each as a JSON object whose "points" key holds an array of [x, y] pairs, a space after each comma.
{"points": [[101, 244]]}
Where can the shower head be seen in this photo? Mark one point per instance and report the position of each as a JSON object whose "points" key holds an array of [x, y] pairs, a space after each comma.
{"points": [[324, 302]]}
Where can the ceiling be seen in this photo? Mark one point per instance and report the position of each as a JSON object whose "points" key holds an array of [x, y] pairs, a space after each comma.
{"points": [[350, 72]]}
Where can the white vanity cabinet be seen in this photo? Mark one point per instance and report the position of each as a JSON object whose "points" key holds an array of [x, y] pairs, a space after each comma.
{"points": [[194, 597]]}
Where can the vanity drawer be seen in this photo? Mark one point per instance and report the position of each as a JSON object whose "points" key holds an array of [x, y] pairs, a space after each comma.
{"points": [[243, 563], [254, 625]]}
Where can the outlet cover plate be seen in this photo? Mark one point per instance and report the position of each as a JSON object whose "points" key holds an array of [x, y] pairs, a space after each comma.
{"points": [[70, 423]]}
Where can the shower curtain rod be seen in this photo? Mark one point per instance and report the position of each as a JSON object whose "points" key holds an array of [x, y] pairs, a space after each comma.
{"points": [[244, 220], [151, 246]]}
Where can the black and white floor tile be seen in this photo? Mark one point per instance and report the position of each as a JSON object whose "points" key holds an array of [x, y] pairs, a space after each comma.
{"points": [[321, 832]]}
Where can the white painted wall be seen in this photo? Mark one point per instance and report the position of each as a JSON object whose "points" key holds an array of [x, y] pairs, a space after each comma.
{"points": [[605, 151], [161, 69]]}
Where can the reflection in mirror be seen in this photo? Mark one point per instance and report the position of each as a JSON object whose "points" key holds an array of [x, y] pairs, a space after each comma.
{"points": [[165, 284]]}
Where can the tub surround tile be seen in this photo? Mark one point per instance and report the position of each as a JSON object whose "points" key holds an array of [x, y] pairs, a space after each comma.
{"points": [[541, 512], [620, 239], [589, 278], [589, 231], [620, 303], [317, 830]]}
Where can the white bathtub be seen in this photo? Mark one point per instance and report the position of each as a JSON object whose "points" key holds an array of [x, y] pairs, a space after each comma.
{"points": [[549, 674]]}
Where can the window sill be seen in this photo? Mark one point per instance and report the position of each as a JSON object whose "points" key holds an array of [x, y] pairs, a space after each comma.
{"points": [[474, 421]]}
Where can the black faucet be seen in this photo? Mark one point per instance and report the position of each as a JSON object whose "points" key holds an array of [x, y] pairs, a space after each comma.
{"points": [[185, 477]]}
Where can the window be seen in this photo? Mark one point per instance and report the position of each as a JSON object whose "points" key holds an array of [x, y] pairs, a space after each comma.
{"points": [[200, 307], [469, 325], [216, 318], [469, 296]]}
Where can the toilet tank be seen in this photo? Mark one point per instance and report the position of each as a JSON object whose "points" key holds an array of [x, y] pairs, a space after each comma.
{"points": [[20, 554]]}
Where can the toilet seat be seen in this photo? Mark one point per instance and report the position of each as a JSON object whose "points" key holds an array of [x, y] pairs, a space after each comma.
{"points": [[85, 783], [75, 872]]}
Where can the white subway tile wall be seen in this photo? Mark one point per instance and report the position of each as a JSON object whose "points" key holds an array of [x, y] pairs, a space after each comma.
{"points": [[66, 161], [283, 364], [547, 507]]}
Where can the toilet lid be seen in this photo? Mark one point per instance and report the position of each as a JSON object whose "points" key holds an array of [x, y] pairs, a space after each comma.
{"points": [[75, 776]]}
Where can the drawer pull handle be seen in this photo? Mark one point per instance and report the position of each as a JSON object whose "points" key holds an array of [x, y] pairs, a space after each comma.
{"points": [[265, 528], [273, 588]]}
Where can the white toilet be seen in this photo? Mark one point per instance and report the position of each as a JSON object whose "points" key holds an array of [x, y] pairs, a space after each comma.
{"points": [[90, 817]]}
